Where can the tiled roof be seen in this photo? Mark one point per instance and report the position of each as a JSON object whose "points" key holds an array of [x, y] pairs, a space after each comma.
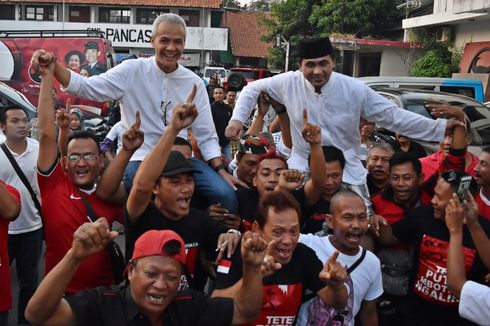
{"points": [[212, 4], [245, 31]]}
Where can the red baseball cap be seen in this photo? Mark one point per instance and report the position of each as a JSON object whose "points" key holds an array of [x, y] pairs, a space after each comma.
{"points": [[158, 243]]}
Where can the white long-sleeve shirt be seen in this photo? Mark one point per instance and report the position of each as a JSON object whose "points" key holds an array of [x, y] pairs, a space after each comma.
{"points": [[337, 111], [140, 85], [474, 303]]}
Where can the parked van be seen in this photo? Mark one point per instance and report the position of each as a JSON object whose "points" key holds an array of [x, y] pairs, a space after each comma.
{"points": [[209, 71], [85, 52], [468, 87]]}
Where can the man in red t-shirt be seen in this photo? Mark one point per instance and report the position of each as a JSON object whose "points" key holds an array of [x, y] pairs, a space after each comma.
{"points": [[482, 177], [65, 183], [9, 210], [431, 163]]}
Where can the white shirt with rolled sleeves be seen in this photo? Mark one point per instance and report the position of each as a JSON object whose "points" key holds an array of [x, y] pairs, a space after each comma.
{"points": [[337, 110], [474, 303], [140, 85]]}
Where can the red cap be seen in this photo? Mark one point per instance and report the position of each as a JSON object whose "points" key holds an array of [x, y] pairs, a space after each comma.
{"points": [[153, 242]]}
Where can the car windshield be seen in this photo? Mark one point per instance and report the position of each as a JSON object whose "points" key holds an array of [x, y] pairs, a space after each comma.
{"points": [[210, 72]]}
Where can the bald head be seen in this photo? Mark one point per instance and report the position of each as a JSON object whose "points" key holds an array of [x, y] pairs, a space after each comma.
{"points": [[341, 197]]}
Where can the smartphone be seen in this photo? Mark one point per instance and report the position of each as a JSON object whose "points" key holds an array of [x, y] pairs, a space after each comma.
{"points": [[463, 187]]}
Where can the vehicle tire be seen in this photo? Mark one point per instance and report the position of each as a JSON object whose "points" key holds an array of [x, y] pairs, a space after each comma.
{"points": [[236, 81]]}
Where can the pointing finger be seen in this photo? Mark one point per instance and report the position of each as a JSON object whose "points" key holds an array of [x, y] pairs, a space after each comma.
{"points": [[190, 99], [333, 258], [137, 123], [305, 117], [68, 103]]}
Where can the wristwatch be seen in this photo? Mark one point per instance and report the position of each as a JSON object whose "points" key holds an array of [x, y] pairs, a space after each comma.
{"points": [[219, 167]]}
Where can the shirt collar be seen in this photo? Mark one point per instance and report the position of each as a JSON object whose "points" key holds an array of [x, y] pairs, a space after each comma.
{"points": [[161, 71], [131, 310]]}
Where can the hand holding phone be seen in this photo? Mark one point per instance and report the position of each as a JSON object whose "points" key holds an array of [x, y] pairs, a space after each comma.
{"points": [[463, 187]]}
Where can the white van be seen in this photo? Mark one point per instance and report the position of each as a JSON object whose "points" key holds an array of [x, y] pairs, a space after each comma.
{"points": [[209, 71]]}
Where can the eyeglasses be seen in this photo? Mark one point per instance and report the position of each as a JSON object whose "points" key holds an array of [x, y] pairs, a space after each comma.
{"points": [[87, 157], [164, 107]]}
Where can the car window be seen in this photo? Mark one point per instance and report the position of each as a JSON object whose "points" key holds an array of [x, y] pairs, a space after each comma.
{"points": [[466, 91]]}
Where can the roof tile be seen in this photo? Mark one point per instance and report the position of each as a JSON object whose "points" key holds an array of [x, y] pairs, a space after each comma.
{"points": [[245, 32]]}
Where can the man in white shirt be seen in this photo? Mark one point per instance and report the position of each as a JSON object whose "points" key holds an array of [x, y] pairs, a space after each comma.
{"points": [[349, 222], [25, 234], [154, 86], [334, 102]]}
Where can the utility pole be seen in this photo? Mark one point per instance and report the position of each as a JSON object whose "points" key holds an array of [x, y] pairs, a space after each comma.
{"points": [[282, 44]]}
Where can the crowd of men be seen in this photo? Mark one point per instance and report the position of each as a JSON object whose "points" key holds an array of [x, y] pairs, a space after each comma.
{"points": [[282, 231]]}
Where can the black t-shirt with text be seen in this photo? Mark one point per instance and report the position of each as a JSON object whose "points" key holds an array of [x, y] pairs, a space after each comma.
{"points": [[199, 232], [429, 298], [282, 291]]}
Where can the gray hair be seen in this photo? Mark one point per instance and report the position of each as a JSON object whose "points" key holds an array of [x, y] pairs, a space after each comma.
{"points": [[168, 18], [387, 147]]}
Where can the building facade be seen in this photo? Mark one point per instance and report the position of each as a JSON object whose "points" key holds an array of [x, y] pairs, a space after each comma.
{"points": [[126, 23]]}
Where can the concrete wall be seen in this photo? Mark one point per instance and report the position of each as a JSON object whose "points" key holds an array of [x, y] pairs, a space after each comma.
{"points": [[471, 32], [395, 61]]}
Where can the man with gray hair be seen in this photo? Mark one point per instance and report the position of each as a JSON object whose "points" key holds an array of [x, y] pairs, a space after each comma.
{"points": [[154, 86]]}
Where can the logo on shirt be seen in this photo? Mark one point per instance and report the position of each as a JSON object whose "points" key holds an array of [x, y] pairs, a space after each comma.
{"points": [[72, 196], [431, 281]]}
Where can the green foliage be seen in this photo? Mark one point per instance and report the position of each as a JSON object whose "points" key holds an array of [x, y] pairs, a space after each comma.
{"points": [[231, 4], [259, 5], [275, 59], [439, 60], [432, 64], [297, 19], [358, 17]]}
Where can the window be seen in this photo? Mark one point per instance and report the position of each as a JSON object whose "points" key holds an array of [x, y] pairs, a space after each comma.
{"points": [[7, 12], [79, 14], [147, 16], [191, 17], [114, 15], [39, 13]]}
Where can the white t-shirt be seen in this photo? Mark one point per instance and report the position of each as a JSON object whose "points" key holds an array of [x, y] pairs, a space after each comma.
{"points": [[29, 219], [364, 283], [474, 303]]}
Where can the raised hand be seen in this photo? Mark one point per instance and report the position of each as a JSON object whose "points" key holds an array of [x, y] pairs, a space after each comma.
{"points": [[263, 104], [290, 179], [471, 210], [253, 249], [311, 132], [63, 116], [91, 238], [269, 264], [43, 61], [134, 137], [454, 215], [223, 216], [184, 114], [333, 273], [227, 242]]}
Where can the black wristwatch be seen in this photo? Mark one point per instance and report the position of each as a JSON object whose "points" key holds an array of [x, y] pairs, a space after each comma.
{"points": [[219, 167]]}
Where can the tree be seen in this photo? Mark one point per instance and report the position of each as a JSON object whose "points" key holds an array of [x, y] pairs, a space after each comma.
{"points": [[297, 19], [259, 5], [231, 4], [439, 60], [358, 17]]}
